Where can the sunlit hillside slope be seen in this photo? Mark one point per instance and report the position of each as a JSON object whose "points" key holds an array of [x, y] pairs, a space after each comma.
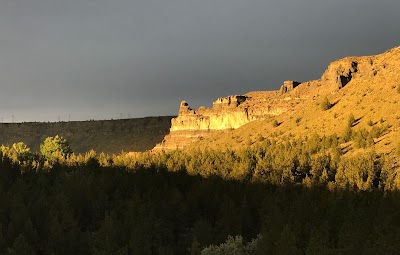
{"points": [[367, 88]]}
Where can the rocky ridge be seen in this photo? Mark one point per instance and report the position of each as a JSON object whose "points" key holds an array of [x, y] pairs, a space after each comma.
{"points": [[233, 112], [226, 114]]}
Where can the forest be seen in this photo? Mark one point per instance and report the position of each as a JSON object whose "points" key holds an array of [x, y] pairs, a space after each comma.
{"points": [[301, 196]]}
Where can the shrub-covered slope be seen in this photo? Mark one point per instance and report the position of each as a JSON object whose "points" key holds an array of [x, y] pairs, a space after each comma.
{"points": [[110, 136], [366, 88]]}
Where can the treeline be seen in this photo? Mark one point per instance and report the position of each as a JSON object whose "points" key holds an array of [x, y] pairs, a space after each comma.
{"points": [[310, 161], [302, 196], [102, 210]]}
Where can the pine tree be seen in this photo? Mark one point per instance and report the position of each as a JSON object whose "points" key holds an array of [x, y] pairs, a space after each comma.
{"points": [[286, 244], [319, 241]]}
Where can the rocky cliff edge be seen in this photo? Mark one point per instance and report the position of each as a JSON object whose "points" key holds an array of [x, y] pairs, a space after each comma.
{"points": [[232, 112]]}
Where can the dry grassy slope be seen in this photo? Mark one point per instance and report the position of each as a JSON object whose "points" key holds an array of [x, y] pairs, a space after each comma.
{"points": [[110, 136], [372, 94]]}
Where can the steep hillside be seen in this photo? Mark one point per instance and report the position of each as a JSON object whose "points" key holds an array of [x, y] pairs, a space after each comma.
{"points": [[366, 87], [110, 136]]}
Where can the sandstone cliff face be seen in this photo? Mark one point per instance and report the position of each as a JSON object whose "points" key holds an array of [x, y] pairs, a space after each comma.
{"points": [[227, 113], [232, 112], [191, 125]]}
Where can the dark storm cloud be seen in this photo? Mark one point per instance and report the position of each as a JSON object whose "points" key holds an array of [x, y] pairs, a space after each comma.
{"points": [[100, 59]]}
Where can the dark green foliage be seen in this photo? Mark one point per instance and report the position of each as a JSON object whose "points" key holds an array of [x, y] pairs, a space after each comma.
{"points": [[351, 120], [298, 119], [358, 172], [21, 247], [377, 132], [152, 212], [301, 196], [286, 243], [319, 240], [370, 123], [275, 123], [314, 157], [362, 139], [260, 138], [233, 245], [325, 104], [347, 135], [194, 248]]}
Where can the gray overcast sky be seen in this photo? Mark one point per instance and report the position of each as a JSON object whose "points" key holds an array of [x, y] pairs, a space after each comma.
{"points": [[96, 59]]}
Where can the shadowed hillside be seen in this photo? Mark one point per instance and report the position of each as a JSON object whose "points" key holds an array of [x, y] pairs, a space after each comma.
{"points": [[110, 136]]}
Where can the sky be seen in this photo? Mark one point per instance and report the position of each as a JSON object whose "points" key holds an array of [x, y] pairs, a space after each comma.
{"points": [[101, 59]]}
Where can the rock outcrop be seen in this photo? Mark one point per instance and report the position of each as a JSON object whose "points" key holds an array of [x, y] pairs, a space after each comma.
{"points": [[232, 112], [191, 125], [227, 113], [288, 86], [339, 73]]}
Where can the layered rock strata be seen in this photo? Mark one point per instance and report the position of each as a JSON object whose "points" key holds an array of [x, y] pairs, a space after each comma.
{"points": [[235, 111], [227, 113]]}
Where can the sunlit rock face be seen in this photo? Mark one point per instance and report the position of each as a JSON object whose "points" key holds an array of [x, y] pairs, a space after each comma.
{"points": [[192, 125], [233, 112], [288, 86], [227, 113], [339, 73]]}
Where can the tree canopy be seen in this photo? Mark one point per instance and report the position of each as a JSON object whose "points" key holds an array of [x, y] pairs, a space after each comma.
{"points": [[55, 147]]}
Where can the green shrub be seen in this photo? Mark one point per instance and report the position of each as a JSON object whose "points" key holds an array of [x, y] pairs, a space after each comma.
{"points": [[348, 133], [260, 138], [275, 123], [363, 139], [298, 119], [351, 120], [370, 123], [357, 172], [325, 104], [377, 132]]}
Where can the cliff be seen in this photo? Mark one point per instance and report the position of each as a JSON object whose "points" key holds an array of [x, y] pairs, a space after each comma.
{"points": [[226, 114], [344, 82]]}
